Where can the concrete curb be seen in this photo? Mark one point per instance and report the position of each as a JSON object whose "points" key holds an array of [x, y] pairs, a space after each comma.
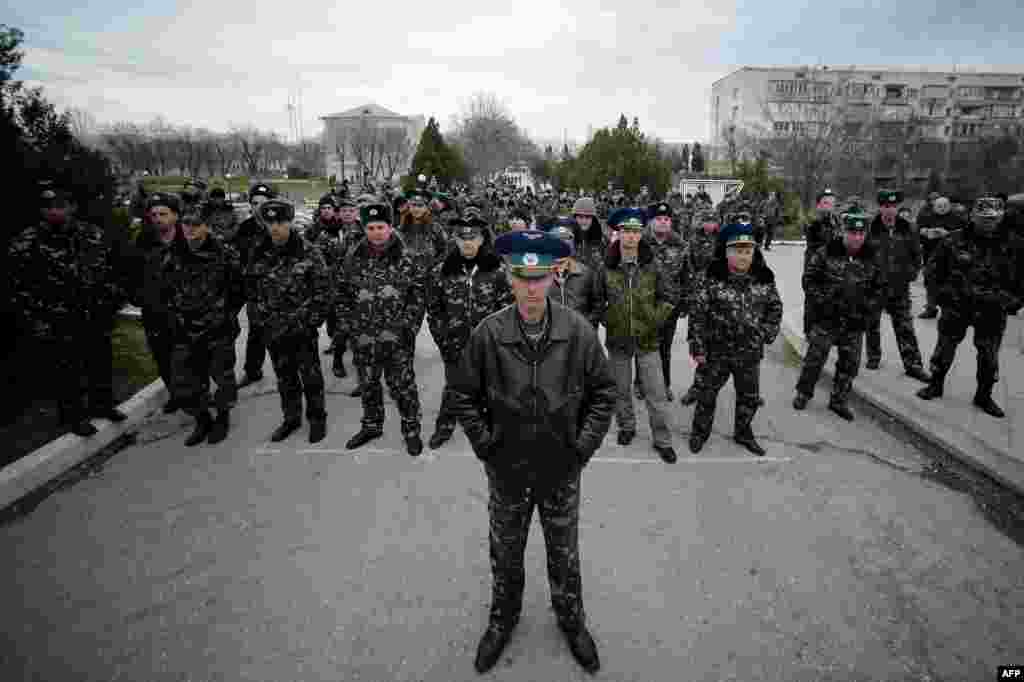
{"points": [[43, 465], [969, 451]]}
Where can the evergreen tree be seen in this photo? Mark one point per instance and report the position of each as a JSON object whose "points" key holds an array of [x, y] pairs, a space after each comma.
{"points": [[697, 158]]}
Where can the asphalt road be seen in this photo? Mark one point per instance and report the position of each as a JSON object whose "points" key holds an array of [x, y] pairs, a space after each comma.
{"points": [[832, 558]]}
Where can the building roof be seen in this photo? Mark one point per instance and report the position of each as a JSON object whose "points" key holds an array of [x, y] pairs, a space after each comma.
{"points": [[369, 109], [958, 69]]}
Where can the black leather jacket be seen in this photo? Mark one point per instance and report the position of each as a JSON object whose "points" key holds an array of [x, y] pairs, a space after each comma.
{"points": [[537, 418]]}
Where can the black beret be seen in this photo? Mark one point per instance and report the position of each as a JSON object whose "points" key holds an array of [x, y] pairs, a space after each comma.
{"points": [[218, 193], [167, 199]]}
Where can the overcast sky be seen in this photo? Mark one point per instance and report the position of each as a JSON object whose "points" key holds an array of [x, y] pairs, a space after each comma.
{"points": [[558, 66]]}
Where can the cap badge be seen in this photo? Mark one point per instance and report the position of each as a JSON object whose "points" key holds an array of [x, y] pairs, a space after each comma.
{"points": [[373, 211], [533, 236], [271, 213], [49, 194], [530, 259]]}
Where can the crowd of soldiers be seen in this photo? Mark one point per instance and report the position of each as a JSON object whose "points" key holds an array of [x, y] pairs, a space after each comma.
{"points": [[514, 288]]}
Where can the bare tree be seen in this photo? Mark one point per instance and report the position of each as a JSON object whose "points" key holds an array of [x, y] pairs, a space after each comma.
{"points": [[397, 148], [84, 126], [365, 144], [252, 146], [488, 135]]}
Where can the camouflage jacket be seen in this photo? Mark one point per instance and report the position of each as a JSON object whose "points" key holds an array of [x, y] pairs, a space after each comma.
{"points": [[223, 222], [634, 301], [576, 288], [203, 290], [899, 252], [426, 245], [735, 315], [672, 258], [818, 233], [976, 273], [287, 287], [842, 291], [380, 298], [702, 250], [61, 279], [458, 299], [592, 247]]}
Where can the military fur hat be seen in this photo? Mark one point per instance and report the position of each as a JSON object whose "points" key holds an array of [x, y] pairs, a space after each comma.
{"points": [[167, 199], [419, 196], [467, 227], [275, 211], [855, 221], [51, 192], [659, 209], [329, 199], [375, 212], [262, 190]]}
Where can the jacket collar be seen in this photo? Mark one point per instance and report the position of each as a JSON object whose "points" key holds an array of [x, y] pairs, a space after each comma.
{"points": [[293, 247], [394, 250], [759, 270], [510, 333], [837, 249], [486, 260], [878, 227], [645, 254]]}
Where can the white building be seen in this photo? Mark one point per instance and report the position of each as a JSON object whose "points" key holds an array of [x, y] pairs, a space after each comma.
{"points": [[952, 106], [517, 175], [349, 138]]}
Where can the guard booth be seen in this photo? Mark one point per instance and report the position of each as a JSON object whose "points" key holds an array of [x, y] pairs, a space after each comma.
{"points": [[716, 188]]}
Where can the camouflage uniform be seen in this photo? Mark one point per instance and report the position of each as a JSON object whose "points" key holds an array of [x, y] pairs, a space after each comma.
{"points": [[702, 251], [978, 281], [204, 290], [249, 235], [223, 222], [380, 300], [929, 244], [592, 246], [460, 296], [145, 292], [672, 259], [844, 292], [899, 253], [288, 290], [63, 288], [330, 241], [426, 245], [732, 318]]}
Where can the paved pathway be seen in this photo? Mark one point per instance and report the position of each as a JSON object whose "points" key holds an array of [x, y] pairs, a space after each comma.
{"points": [[997, 445], [833, 558]]}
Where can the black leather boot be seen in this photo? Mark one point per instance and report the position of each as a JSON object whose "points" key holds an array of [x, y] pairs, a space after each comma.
{"points": [[983, 401], [933, 389], [583, 648], [203, 424], [317, 430], [364, 436], [745, 437], [286, 429], [219, 431], [491, 645]]}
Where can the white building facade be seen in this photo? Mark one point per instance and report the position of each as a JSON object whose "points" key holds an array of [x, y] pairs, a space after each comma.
{"points": [[950, 106], [356, 139]]}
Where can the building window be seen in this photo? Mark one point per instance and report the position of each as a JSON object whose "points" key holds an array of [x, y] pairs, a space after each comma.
{"points": [[893, 91], [972, 92]]}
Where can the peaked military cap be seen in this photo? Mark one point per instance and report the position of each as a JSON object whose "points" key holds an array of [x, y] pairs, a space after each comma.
{"points": [[825, 193], [467, 228], [167, 199], [563, 229], [346, 202], [375, 212], [275, 211], [659, 209], [626, 219], [520, 214], [262, 190], [889, 196], [531, 253], [855, 221], [737, 233], [218, 193]]}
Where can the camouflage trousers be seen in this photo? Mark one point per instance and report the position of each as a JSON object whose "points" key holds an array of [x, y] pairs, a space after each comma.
{"points": [[668, 335], [898, 307], [988, 337], [77, 372], [296, 361], [161, 347], [510, 509], [745, 371], [394, 363], [255, 351], [445, 419], [194, 364], [848, 348]]}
